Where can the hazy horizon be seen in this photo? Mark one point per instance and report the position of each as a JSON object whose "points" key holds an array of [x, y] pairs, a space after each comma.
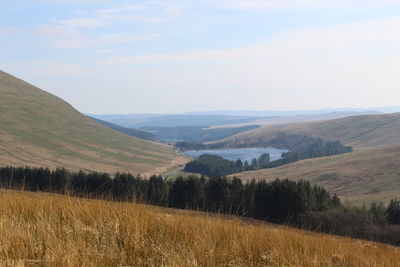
{"points": [[124, 57], [383, 109]]}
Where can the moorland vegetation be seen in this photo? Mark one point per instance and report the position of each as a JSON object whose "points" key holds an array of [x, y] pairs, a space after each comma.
{"points": [[286, 202], [39, 229]]}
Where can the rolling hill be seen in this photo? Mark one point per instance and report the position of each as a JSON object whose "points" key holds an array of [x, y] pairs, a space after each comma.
{"points": [[361, 132], [306, 117], [40, 229], [40, 129], [360, 177], [371, 173]]}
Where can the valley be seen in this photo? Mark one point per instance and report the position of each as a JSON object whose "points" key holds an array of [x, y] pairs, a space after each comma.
{"points": [[91, 158], [199, 133], [369, 174]]}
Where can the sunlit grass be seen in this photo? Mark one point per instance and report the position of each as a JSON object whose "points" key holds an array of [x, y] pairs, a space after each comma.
{"points": [[50, 230]]}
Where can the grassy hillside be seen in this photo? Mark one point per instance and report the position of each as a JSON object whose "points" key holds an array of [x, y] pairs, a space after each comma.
{"points": [[132, 132], [306, 117], [39, 129], [360, 177], [47, 230], [361, 132]]}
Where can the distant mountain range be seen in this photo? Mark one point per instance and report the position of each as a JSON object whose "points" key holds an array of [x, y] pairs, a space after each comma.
{"points": [[274, 113], [221, 118], [178, 120]]}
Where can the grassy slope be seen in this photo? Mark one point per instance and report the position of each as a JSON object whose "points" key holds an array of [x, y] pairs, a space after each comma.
{"points": [[361, 132], [360, 177], [49, 230], [37, 128]]}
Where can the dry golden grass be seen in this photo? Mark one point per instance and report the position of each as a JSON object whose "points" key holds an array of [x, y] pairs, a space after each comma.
{"points": [[49, 230]]}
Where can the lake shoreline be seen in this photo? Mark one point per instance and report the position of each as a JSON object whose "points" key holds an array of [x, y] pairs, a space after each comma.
{"points": [[244, 154]]}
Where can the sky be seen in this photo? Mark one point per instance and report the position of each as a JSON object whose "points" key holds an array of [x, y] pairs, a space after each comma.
{"points": [[172, 56]]}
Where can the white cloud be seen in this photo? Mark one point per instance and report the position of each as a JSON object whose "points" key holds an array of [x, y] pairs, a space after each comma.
{"points": [[63, 37], [105, 13], [8, 30], [143, 12], [248, 5], [80, 32], [63, 69], [346, 65], [134, 18], [90, 22], [75, 2], [329, 42], [312, 4], [124, 38], [105, 51]]}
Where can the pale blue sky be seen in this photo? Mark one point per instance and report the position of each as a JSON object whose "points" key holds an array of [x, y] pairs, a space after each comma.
{"points": [[107, 56]]}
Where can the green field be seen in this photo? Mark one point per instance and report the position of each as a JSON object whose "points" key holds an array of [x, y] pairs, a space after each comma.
{"points": [[40, 129]]}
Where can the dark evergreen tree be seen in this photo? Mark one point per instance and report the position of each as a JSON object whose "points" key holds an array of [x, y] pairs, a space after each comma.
{"points": [[393, 212], [217, 195], [157, 191], [236, 201], [263, 160], [239, 164]]}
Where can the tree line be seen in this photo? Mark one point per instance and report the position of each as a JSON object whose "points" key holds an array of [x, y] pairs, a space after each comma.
{"points": [[216, 166], [279, 201], [377, 222], [297, 203]]}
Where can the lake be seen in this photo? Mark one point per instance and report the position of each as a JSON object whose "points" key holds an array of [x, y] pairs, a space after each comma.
{"points": [[239, 153]]}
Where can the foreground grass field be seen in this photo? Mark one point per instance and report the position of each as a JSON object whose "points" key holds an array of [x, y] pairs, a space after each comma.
{"points": [[49, 230]]}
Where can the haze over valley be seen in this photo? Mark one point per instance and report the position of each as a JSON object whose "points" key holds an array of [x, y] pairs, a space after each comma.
{"points": [[199, 133]]}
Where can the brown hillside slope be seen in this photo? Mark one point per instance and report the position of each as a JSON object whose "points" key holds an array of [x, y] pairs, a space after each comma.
{"points": [[48, 230], [360, 177], [39, 129], [361, 132]]}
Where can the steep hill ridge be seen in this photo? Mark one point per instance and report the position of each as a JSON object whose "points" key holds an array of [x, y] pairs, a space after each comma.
{"points": [[40, 129]]}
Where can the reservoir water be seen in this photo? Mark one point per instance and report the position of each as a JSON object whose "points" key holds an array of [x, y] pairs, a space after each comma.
{"points": [[238, 153]]}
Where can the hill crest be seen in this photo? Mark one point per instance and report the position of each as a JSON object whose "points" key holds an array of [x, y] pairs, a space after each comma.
{"points": [[360, 132]]}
